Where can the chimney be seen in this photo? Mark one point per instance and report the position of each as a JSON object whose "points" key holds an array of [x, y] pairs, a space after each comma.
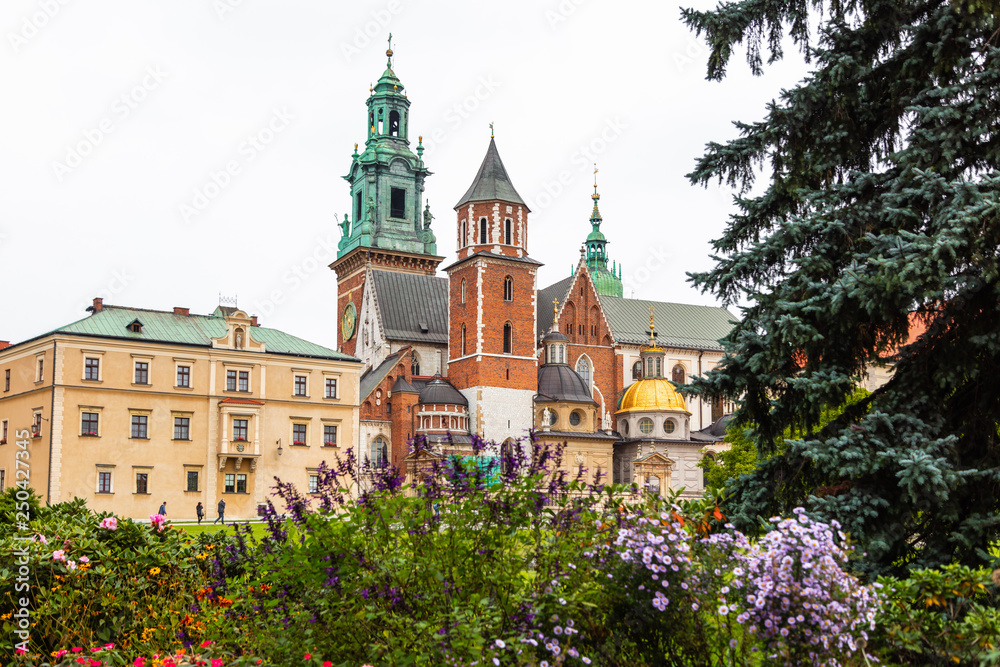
{"points": [[98, 304], [253, 321], [4, 344], [181, 311]]}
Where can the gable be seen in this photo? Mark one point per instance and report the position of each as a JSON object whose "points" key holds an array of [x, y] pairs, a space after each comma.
{"points": [[412, 307]]}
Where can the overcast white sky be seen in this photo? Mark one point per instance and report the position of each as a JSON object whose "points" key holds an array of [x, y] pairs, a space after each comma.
{"points": [[116, 114]]}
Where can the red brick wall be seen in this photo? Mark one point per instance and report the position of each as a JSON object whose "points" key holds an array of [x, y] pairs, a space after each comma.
{"points": [[350, 289], [486, 210], [582, 321]]}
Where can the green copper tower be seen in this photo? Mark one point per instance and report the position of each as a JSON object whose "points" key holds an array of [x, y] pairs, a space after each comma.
{"points": [[606, 281], [387, 178]]}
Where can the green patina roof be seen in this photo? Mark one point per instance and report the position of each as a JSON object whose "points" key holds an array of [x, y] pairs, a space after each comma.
{"points": [[388, 81], [606, 283], [167, 327]]}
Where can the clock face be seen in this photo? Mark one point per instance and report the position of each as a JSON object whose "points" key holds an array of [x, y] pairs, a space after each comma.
{"points": [[349, 319]]}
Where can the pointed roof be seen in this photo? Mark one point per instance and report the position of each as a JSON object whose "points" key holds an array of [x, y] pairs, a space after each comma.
{"points": [[492, 181]]}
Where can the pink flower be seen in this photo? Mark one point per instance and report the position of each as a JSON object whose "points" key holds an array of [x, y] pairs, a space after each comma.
{"points": [[216, 662], [110, 523], [206, 643], [59, 555], [139, 662], [157, 521], [307, 656], [21, 650], [71, 565], [61, 653], [327, 663], [41, 538], [84, 559]]}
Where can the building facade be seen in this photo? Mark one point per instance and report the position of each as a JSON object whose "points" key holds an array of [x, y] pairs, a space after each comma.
{"points": [[129, 408]]}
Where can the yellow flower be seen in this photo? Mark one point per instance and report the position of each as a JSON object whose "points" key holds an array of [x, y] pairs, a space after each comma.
{"points": [[154, 571]]}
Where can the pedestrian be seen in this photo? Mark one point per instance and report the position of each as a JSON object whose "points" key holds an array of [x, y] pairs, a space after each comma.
{"points": [[222, 513], [163, 509], [200, 510]]}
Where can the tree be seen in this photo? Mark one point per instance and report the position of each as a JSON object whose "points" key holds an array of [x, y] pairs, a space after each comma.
{"points": [[881, 206]]}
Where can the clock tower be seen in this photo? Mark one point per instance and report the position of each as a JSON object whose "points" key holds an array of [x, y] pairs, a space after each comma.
{"points": [[389, 226]]}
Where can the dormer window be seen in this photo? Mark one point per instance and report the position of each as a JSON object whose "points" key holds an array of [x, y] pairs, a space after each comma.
{"points": [[135, 326]]}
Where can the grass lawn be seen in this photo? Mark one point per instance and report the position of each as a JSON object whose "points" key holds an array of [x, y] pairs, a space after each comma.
{"points": [[259, 529]]}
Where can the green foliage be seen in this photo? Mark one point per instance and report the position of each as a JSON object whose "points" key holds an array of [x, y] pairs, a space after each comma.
{"points": [[940, 617], [882, 210], [89, 585]]}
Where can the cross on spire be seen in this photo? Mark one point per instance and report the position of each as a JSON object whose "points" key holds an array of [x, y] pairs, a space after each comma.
{"points": [[388, 52], [555, 307], [491, 130]]}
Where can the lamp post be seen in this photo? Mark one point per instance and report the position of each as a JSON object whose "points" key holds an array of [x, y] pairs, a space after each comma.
{"points": [[279, 447]]}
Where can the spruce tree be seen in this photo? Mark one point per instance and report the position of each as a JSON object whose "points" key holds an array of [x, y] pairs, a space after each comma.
{"points": [[881, 211]]}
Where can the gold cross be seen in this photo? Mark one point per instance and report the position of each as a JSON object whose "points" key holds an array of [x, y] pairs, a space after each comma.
{"points": [[651, 325], [555, 307]]}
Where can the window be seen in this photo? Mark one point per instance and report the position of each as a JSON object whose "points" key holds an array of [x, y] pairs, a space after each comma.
{"points": [[314, 479], [6, 380], [669, 426], [183, 376], [393, 123], [331, 387], [624, 427], [41, 369], [240, 429], [88, 424], [3, 432], [678, 374], [574, 418], [329, 435], [142, 372], [482, 230], [637, 370], [506, 232], [649, 367], [140, 424], [508, 289], [192, 480], [142, 482], [357, 206], [135, 327], [36, 425], [380, 452], [241, 484], [415, 364], [244, 380], [463, 290], [397, 203], [464, 240], [508, 334], [300, 385], [298, 434], [583, 369], [104, 482], [182, 428], [463, 340], [236, 483], [646, 425], [91, 369], [553, 418], [230, 380], [230, 483]]}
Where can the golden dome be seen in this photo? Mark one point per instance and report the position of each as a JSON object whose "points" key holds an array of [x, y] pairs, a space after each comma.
{"points": [[651, 394]]}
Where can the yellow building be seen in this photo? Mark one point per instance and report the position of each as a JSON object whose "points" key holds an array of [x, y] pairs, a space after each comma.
{"points": [[128, 408]]}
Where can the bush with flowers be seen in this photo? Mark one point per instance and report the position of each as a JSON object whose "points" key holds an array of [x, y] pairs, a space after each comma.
{"points": [[96, 579]]}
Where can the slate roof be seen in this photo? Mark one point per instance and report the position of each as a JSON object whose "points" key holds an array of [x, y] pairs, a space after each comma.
{"points": [[677, 324], [197, 330], [545, 296], [599, 435], [492, 181], [559, 382], [414, 307], [440, 391], [374, 376]]}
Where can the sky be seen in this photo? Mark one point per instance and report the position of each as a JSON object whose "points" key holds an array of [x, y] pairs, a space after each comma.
{"points": [[166, 153]]}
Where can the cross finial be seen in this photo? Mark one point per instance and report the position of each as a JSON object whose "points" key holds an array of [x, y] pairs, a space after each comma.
{"points": [[555, 307], [651, 325], [595, 176], [388, 51], [371, 89], [491, 130]]}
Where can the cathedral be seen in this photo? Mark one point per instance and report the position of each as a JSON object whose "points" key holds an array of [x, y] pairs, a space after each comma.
{"points": [[478, 347]]}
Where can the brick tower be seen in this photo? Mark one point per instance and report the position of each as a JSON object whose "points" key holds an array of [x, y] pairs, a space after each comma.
{"points": [[389, 226], [492, 291]]}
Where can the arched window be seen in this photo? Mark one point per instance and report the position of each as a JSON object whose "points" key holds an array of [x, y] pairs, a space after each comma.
{"points": [[463, 240], [506, 232], [678, 374], [393, 123], [508, 289], [637, 370], [381, 122], [482, 230], [463, 340], [371, 122], [415, 364], [380, 452], [463, 290], [508, 338], [583, 369]]}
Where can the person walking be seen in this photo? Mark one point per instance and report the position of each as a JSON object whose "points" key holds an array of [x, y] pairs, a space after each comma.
{"points": [[222, 513], [200, 511], [163, 509]]}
